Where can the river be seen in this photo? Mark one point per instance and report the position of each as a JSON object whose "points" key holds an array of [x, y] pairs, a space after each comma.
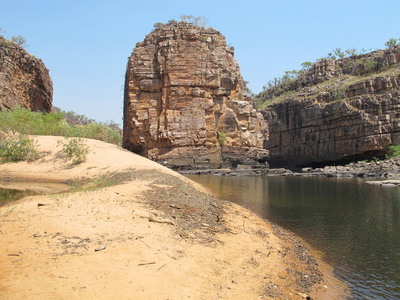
{"points": [[355, 225]]}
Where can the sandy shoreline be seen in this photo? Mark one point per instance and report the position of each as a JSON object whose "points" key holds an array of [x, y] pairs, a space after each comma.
{"points": [[136, 230]]}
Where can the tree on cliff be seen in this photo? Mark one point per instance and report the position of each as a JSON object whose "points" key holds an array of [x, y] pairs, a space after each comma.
{"points": [[200, 21], [158, 25], [20, 40], [392, 42]]}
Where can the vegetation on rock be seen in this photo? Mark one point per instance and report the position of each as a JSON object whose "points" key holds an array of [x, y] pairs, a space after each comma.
{"points": [[349, 65], [335, 111], [199, 21], [393, 152], [20, 40], [222, 137], [368, 61], [392, 42]]}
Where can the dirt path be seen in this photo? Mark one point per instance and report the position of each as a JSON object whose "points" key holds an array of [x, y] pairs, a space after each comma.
{"points": [[133, 229]]}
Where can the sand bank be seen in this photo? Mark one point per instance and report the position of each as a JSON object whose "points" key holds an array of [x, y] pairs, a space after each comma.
{"points": [[133, 229]]}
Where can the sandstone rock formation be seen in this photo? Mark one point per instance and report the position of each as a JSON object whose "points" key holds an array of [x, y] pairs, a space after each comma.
{"points": [[185, 102], [24, 79], [347, 109], [389, 168]]}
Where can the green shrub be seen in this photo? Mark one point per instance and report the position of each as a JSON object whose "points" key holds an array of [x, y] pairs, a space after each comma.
{"points": [[173, 22], [158, 25], [391, 42], [200, 21], [339, 93], [394, 151], [18, 148], [370, 65], [202, 38], [20, 40], [75, 148], [95, 131], [27, 122], [222, 137], [5, 43]]}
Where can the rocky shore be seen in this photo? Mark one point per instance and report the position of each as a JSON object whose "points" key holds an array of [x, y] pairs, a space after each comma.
{"points": [[380, 168], [388, 169]]}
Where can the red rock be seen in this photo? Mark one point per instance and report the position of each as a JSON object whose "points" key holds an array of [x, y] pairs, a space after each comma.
{"points": [[328, 119], [183, 90], [24, 79]]}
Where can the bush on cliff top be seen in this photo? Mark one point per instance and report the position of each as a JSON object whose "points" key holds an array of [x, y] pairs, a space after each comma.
{"points": [[282, 84], [199, 22]]}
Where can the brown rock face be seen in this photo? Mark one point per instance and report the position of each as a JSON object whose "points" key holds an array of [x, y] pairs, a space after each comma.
{"points": [[185, 102], [24, 79], [340, 111]]}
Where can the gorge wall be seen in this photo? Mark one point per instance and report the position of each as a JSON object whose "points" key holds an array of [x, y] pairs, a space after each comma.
{"points": [[338, 110], [24, 79], [186, 103]]}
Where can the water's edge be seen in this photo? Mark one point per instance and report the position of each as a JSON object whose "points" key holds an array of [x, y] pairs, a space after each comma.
{"points": [[353, 225]]}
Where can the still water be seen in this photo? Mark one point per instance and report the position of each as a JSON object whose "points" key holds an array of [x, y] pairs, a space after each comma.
{"points": [[8, 195], [355, 225]]}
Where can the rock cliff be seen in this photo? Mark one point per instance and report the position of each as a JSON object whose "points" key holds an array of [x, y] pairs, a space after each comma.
{"points": [[24, 79], [185, 102], [337, 111]]}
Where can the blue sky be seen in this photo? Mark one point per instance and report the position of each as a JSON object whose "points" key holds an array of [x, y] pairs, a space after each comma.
{"points": [[86, 44]]}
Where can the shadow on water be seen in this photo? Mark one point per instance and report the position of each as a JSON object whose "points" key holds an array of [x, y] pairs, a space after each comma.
{"points": [[355, 225]]}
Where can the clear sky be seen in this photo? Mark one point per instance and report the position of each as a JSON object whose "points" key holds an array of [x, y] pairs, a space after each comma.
{"points": [[85, 44]]}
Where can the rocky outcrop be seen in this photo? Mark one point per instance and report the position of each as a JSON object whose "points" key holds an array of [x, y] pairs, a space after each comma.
{"points": [[24, 79], [389, 168], [339, 110], [185, 102]]}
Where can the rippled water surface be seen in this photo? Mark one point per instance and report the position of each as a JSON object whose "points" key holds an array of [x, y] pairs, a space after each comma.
{"points": [[355, 225]]}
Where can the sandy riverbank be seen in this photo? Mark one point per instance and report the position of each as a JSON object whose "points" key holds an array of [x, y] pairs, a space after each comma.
{"points": [[133, 229]]}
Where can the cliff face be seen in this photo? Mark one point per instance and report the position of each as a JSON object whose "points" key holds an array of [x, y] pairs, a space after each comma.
{"points": [[185, 102], [345, 109], [24, 79]]}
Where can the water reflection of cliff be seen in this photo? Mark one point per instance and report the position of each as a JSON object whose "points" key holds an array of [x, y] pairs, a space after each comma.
{"points": [[356, 225]]}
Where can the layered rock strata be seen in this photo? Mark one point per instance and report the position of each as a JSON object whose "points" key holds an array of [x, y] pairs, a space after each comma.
{"points": [[185, 102], [24, 79], [339, 110]]}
